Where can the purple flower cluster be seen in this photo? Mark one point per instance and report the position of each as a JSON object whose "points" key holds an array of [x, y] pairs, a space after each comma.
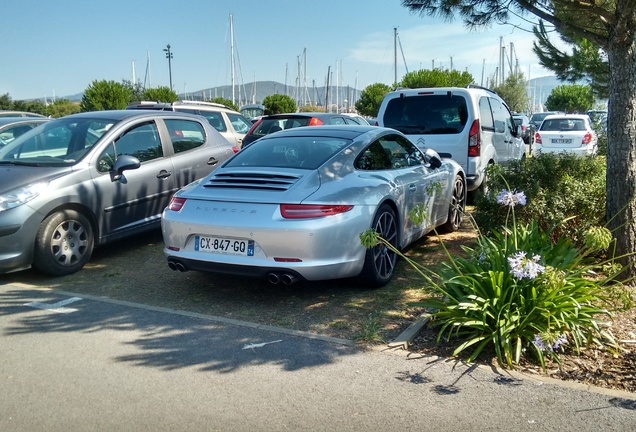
{"points": [[524, 267], [511, 199], [545, 345]]}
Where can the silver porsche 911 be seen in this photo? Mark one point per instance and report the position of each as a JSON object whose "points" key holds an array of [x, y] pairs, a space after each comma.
{"points": [[292, 206]]}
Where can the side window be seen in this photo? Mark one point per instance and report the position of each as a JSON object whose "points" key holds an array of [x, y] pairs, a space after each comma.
{"points": [[503, 118], [374, 158], [185, 134], [485, 114], [215, 119], [402, 153], [141, 141], [240, 123]]}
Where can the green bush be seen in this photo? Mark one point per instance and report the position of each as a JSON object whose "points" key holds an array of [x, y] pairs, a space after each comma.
{"points": [[521, 293], [565, 194]]}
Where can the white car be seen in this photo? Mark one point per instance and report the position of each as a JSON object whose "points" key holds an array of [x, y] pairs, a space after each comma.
{"points": [[231, 124], [566, 133]]}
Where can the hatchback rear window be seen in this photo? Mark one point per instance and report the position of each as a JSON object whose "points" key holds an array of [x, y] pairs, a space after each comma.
{"points": [[427, 114], [268, 126]]}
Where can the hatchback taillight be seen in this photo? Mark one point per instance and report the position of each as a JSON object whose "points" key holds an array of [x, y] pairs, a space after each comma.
{"points": [[315, 122], [176, 204], [474, 140], [256, 123], [587, 138], [537, 138], [305, 211]]}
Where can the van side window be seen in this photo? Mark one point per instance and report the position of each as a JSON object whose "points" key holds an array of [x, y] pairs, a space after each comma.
{"points": [[503, 118], [485, 113]]}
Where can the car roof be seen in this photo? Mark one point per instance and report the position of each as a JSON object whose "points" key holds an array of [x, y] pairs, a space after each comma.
{"points": [[156, 105], [9, 113], [124, 114], [11, 120], [303, 114], [336, 131], [567, 116]]}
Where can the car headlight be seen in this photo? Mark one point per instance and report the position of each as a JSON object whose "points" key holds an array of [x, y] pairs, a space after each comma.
{"points": [[21, 195]]}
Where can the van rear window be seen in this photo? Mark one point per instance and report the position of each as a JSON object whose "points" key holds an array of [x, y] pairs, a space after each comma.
{"points": [[427, 114]]}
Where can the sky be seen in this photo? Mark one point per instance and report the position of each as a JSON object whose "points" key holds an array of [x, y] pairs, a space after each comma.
{"points": [[58, 48]]}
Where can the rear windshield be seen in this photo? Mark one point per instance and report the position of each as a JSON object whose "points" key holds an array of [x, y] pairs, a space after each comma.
{"points": [[563, 125], [427, 114], [268, 126], [289, 152]]}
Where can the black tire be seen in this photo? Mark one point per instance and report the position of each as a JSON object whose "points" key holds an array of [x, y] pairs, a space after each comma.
{"points": [[64, 243], [457, 206], [379, 261]]}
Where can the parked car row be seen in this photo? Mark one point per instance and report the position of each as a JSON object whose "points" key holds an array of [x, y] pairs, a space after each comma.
{"points": [[288, 206]]}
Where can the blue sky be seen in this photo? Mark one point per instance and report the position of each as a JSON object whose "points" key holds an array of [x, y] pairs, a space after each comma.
{"points": [[57, 48]]}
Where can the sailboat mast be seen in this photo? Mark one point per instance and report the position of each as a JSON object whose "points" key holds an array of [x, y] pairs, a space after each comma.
{"points": [[395, 53], [232, 55]]}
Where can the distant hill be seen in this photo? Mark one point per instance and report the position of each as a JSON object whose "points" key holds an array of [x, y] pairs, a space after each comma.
{"points": [[255, 92], [538, 91]]}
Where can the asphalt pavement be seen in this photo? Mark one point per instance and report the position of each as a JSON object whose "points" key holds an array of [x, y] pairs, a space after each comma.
{"points": [[73, 362]]}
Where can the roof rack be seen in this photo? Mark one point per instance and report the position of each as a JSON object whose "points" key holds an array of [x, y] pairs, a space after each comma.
{"points": [[191, 102], [481, 87]]}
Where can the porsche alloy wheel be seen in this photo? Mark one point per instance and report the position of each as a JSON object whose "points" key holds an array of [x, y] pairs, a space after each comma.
{"points": [[379, 263]]}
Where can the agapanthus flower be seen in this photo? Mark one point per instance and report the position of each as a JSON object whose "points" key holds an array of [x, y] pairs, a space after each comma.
{"points": [[511, 199], [523, 267], [547, 342]]}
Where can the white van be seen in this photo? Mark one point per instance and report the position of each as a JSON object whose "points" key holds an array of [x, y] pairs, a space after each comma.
{"points": [[471, 125]]}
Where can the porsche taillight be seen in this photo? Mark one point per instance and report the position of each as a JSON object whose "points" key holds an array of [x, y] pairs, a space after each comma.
{"points": [[474, 140], [176, 204], [306, 211]]}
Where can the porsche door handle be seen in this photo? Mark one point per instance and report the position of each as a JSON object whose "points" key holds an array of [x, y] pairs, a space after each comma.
{"points": [[412, 187], [212, 161]]}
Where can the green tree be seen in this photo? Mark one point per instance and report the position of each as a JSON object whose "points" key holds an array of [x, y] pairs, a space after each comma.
{"points": [[279, 103], [436, 78], [371, 98], [160, 94], [586, 61], [610, 25], [34, 106], [570, 98], [228, 103], [513, 91], [5, 102], [136, 90], [105, 95], [62, 107], [311, 108]]}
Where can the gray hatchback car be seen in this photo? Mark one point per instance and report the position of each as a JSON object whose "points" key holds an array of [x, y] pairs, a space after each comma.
{"points": [[82, 180]]}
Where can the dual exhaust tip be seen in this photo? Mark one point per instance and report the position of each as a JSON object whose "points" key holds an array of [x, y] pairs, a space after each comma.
{"points": [[273, 278], [285, 278]]}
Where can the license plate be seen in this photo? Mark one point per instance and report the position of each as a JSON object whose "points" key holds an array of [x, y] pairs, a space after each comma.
{"points": [[561, 140], [224, 246]]}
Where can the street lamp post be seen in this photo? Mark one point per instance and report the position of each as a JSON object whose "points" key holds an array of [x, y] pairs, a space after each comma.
{"points": [[169, 57]]}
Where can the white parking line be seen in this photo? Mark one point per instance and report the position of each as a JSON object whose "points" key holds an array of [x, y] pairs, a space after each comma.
{"points": [[55, 307]]}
